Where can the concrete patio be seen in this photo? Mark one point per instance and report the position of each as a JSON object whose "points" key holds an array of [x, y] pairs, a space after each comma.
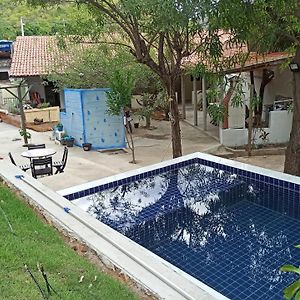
{"points": [[152, 146]]}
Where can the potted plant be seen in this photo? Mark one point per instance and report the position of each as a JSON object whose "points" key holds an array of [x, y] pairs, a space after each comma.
{"points": [[59, 127], [67, 141]]}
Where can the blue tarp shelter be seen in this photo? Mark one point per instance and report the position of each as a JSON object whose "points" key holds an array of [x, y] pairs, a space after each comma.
{"points": [[87, 120], [5, 46]]}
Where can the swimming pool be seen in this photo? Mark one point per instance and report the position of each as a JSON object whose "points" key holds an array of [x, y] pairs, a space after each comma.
{"points": [[231, 228]]}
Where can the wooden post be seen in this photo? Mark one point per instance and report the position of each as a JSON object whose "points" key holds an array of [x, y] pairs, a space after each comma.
{"points": [[204, 104], [195, 100], [23, 118], [183, 96]]}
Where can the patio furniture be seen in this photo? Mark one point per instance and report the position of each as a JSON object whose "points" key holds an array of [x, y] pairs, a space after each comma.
{"points": [[41, 166], [38, 153], [61, 164], [36, 146], [23, 167]]}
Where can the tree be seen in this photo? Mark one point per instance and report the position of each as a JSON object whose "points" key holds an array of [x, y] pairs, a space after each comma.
{"points": [[38, 20], [159, 34], [268, 26], [119, 98]]}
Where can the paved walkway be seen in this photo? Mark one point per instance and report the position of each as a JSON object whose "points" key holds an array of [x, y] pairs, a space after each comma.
{"points": [[152, 146]]}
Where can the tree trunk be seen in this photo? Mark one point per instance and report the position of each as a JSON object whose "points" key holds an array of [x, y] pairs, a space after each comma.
{"points": [[148, 121], [267, 77], [175, 126], [250, 121], [23, 118], [292, 154]]}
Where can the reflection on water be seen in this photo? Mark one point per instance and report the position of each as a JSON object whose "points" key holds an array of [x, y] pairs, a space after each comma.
{"points": [[207, 223]]}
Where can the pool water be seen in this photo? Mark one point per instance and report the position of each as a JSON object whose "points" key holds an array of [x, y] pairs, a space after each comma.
{"points": [[228, 231]]}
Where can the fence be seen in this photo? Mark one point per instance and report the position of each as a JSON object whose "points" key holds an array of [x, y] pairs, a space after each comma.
{"points": [[10, 104]]}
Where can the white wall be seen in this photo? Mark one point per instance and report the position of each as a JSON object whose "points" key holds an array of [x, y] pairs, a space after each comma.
{"points": [[280, 126], [233, 137], [278, 131], [281, 85]]}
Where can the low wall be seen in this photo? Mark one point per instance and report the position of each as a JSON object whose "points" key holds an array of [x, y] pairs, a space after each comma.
{"points": [[278, 132], [49, 114]]}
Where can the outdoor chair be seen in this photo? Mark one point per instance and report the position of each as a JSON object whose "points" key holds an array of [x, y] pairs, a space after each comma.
{"points": [[24, 167], [61, 164], [36, 146], [41, 166]]}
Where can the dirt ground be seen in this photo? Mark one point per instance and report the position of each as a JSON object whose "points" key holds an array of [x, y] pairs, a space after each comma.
{"points": [[43, 127]]}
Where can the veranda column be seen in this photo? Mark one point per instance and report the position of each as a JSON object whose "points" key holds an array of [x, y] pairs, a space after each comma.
{"points": [[204, 104], [195, 100], [183, 96]]}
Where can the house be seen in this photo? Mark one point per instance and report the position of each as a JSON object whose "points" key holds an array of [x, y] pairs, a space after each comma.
{"points": [[33, 58], [276, 91], [272, 81]]}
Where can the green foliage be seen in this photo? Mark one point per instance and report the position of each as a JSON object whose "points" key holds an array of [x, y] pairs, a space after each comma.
{"points": [[254, 101], [121, 83], [148, 102], [237, 100], [25, 133], [43, 105], [213, 95], [37, 20], [293, 290], [216, 112], [290, 107]]}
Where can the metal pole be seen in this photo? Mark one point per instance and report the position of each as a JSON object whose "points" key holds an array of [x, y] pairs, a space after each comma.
{"points": [[204, 104], [183, 96], [195, 100], [22, 26]]}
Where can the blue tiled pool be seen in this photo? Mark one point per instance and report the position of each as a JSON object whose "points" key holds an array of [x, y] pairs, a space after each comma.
{"points": [[229, 228]]}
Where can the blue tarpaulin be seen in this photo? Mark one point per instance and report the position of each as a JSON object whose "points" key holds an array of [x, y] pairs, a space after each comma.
{"points": [[5, 46], [87, 120]]}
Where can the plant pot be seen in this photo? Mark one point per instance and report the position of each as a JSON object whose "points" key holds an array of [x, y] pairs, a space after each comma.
{"points": [[69, 142], [86, 146], [63, 142], [136, 125], [59, 127]]}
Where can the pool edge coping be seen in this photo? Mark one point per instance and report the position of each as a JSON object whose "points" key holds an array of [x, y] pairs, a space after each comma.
{"points": [[205, 156]]}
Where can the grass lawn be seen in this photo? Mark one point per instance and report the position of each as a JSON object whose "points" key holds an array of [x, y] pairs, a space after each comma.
{"points": [[36, 242]]}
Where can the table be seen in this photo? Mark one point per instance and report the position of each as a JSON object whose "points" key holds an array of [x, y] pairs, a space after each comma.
{"points": [[38, 153]]}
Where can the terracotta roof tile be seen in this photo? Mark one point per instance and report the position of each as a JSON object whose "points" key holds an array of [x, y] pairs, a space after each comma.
{"points": [[36, 55]]}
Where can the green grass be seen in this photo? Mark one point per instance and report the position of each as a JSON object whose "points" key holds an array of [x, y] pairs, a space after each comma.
{"points": [[36, 242]]}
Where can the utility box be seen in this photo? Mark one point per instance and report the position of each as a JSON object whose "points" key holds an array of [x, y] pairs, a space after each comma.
{"points": [[86, 119]]}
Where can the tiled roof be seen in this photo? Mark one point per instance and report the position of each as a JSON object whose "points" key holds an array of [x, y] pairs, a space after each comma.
{"points": [[256, 61], [35, 55], [236, 58]]}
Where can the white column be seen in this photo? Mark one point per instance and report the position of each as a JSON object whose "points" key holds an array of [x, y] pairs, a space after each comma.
{"points": [[204, 104], [195, 100], [183, 96]]}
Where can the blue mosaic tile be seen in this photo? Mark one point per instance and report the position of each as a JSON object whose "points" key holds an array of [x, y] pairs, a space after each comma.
{"points": [[216, 229]]}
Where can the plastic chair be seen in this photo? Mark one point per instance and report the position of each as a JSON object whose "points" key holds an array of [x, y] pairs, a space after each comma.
{"points": [[24, 167], [36, 146], [41, 166], [61, 164]]}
